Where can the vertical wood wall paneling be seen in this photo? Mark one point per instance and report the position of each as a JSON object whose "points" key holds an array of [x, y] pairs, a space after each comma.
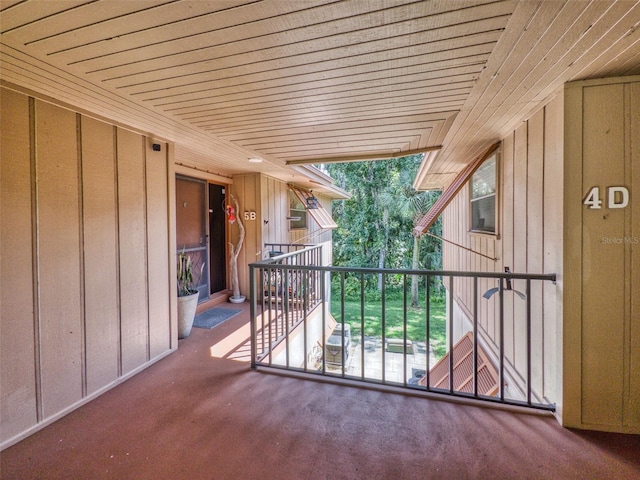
{"points": [[18, 340], [267, 212], [603, 281], [470, 257], [507, 243], [246, 188], [552, 245], [133, 253], [158, 249], [493, 247], [482, 283], [570, 407], [102, 329], [632, 400], [173, 269], [274, 205], [535, 205], [59, 251], [520, 242]]}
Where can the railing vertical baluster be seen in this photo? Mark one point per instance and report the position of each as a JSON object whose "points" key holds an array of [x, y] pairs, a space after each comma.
{"points": [[342, 352], [451, 283], [271, 320], [501, 347], [428, 329], [404, 329], [384, 326], [323, 337], [528, 293], [362, 326], [284, 298], [285, 313], [320, 294], [252, 314], [262, 316], [305, 313], [475, 337]]}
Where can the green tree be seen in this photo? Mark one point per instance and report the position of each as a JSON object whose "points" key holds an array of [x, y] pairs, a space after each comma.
{"points": [[376, 224]]}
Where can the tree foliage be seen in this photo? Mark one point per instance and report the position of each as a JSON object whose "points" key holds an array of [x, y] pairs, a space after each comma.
{"points": [[375, 225]]}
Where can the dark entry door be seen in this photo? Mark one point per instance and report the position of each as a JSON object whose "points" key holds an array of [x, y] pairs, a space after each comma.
{"points": [[217, 239], [191, 228]]}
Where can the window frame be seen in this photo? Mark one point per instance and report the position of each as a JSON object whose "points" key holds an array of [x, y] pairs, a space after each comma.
{"points": [[297, 212], [495, 195]]}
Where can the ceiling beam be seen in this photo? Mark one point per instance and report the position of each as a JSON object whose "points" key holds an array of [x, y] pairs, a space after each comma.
{"points": [[363, 158]]}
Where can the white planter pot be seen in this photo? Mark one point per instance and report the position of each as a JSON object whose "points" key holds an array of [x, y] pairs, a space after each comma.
{"points": [[238, 299], [186, 313]]}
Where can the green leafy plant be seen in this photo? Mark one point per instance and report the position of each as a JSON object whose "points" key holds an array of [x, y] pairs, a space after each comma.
{"points": [[186, 284]]}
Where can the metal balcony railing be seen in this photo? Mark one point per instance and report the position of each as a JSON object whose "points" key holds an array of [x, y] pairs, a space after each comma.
{"points": [[324, 320]]}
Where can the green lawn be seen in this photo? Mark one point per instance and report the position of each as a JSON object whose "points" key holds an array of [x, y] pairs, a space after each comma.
{"points": [[394, 321]]}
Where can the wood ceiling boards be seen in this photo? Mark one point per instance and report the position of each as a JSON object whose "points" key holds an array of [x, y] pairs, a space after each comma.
{"points": [[299, 80]]}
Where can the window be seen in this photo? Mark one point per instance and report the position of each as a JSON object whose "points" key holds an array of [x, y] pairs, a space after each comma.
{"points": [[317, 212], [483, 197], [297, 212]]}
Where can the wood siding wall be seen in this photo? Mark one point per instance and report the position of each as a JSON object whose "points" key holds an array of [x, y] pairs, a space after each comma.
{"points": [[85, 272], [602, 251], [269, 198], [529, 240]]}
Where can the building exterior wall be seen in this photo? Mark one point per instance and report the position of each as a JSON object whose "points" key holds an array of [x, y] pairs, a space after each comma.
{"points": [[86, 272], [602, 251], [528, 240], [586, 327], [269, 199]]}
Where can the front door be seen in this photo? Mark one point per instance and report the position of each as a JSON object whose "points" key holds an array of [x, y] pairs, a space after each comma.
{"points": [[217, 238], [191, 228]]}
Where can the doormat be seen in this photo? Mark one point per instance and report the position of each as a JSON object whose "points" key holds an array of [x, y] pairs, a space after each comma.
{"points": [[214, 316]]}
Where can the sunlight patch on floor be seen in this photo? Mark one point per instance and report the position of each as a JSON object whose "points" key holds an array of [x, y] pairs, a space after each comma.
{"points": [[235, 346]]}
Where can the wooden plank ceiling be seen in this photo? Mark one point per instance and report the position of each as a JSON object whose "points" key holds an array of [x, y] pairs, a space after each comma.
{"points": [[302, 80]]}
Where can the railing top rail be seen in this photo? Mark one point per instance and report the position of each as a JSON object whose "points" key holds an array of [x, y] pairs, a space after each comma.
{"points": [[391, 271], [279, 258], [299, 245]]}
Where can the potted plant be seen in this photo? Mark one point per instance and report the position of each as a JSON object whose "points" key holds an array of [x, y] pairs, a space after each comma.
{"points": [[234, 251], [187, 295]]}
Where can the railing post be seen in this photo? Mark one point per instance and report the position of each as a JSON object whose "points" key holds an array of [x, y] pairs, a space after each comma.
{"points": [[342, 352], [323, 286], [428, 329], [252, 315], [404, 330], [475, 337], [286, 311], [501, 347], [384, 326], [528, 293], [451, 283], [362, 350]]}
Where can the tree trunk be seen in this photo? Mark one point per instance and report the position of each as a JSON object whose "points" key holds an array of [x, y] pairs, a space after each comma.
{"points": [[415, 265], [383, 249]]}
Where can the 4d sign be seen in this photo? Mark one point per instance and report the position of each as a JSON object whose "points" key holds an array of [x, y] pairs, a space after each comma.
{"points": [[616, 197]]}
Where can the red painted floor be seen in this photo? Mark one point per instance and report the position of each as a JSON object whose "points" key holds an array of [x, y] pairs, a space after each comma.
{"points": [[195, 415]]}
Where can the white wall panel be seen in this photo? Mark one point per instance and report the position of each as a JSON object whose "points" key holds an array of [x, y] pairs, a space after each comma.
{"points": [[75, 203], [18, 370], [134, 314], [158, 249], [59, 257], [102, 314]]}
